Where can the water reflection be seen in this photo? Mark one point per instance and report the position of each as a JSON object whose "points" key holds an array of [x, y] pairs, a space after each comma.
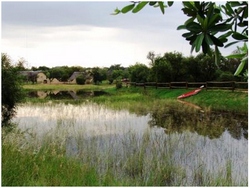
{"points": [[59, 95], [210, 124]]}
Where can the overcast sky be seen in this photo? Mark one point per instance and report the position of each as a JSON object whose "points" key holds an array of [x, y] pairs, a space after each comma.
{"points": [[86, 34]]}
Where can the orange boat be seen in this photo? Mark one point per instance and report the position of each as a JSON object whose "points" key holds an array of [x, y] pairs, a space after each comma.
{"points": [[190, 93]]}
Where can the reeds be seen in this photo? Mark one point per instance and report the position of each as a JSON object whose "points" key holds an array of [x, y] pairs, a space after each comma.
{"points": [[88, 144]]}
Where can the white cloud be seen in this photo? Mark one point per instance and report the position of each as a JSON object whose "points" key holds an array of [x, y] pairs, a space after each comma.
{"points": [[85, 34], [71, 45]]}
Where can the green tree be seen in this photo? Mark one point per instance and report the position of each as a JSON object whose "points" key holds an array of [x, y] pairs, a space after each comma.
{"points": [[11, 90], [207, 67], [161, 71], [138, 73], [115, 72], [205, 25], [179, 68]]}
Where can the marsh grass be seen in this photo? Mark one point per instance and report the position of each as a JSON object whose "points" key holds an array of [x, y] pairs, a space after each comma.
{"points": [[140, 162], [90, 145]]}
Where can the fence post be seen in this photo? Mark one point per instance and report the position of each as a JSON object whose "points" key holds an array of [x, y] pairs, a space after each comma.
{"points": [[233, 86], [156, 85]]}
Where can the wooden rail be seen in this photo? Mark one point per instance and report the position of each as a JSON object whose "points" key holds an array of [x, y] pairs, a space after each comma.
{"points": [[228, 85]]}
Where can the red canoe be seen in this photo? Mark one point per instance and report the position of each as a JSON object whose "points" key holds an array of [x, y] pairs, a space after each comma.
{"points": [[188, 94]]}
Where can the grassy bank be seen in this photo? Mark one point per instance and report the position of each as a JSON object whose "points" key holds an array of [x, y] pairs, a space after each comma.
{"points": [[222, 100]]}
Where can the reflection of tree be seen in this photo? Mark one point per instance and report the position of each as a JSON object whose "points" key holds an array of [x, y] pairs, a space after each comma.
{"points": [[179, 119], [60, 95]]}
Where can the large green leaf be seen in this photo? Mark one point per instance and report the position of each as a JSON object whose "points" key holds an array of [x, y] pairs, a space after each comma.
{"points": [[220, 27], [194, 27], [234, 3], [208, 40], [139, 6], [217, 56], [237, 56], [231, 43], [181, 27], [229, 9], [198, 42], [152, 3], [127, 8], [239, 36], [170, 3], [187, 35], [162, 7], [205, 47], [240, 67], [216, 41]]}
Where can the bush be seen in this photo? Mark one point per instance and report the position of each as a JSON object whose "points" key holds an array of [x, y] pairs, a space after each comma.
{"points": [[118, 84], [80, 80], [226, 76]]}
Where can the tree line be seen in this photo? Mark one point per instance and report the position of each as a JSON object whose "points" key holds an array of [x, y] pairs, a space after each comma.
{"points": [[169, 67]]}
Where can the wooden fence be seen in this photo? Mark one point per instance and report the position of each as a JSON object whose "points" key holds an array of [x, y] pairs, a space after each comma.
{"points": [[229, 85]]}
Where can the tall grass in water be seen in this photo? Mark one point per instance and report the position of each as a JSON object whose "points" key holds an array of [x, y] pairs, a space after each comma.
{"points": [[91, 145]]}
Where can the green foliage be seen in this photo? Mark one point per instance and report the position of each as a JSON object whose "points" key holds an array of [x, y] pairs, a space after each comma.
{"points": [[118, 84], [205, 24], [138, 73], [207, 67], [243, 55], [99, 74], [11, 90], [226, 76], [161, 70], [80, 79], [115, 72]]}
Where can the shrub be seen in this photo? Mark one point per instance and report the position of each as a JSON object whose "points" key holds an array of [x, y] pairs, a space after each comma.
{"points": [[118, 84], [80, 80], [226, 76]]}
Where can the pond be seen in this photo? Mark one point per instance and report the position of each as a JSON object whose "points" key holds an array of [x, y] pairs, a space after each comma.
{"points": [[198, 148]]}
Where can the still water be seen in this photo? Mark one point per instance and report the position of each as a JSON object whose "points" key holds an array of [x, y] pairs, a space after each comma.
{"points": [[193, 145]]}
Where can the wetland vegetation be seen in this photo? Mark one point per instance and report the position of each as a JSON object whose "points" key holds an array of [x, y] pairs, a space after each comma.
{"points": [[127, 137]]}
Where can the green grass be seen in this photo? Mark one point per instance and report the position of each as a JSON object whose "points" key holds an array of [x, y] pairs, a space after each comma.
{"points": [[221, 100], [43, 166]]}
